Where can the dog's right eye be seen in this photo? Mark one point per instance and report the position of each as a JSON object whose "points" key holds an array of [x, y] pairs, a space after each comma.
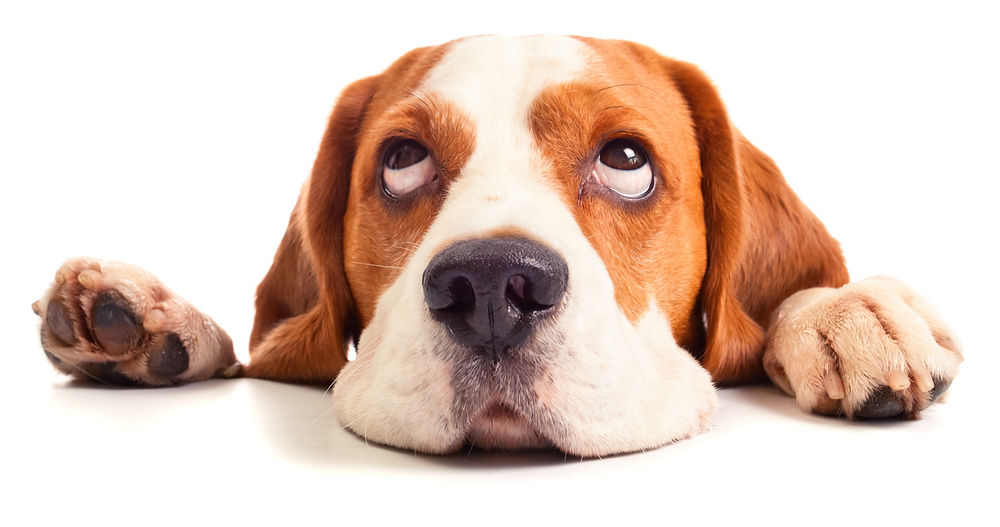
{"points": [[408, 166]]}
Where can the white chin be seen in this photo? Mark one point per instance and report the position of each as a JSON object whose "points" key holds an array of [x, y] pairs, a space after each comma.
{"points": [[500, 428]]}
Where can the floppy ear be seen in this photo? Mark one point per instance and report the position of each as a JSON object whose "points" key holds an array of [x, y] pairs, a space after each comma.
{"points": [[763, 243], [305, 315]]}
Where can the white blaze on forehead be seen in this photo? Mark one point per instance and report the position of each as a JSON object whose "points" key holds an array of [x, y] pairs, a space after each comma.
{"points": [[496, 79]]}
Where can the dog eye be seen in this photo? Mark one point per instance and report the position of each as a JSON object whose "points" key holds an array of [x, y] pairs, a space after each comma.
{"points": [[408, 166], [622, 167]]}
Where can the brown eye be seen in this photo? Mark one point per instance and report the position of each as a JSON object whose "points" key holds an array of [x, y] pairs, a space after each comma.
{"points": [[622, 167], [405, 154], [408, 166], [622, 154]]}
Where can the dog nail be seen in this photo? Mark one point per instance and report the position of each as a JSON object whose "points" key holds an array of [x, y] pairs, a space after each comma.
{"points": [[925, 382], [59, 323], [90, 279], [897, 380], [169, 358], [36, 307], [834, 384], [114, 324]]}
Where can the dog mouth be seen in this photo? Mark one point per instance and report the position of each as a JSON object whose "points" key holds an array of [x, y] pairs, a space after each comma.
{"points": [[500, 427]]}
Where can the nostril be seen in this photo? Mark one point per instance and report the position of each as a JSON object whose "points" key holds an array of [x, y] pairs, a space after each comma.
{"points": [[458, 295], [521, 293], [515, 287], [463, 295]]}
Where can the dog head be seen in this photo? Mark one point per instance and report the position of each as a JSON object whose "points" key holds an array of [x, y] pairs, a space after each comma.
{"points": [[534, 233]]}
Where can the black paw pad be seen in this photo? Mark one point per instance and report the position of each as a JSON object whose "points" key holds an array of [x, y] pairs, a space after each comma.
{"points": [[169, 358], [882, 404], [115, 327], [107, 372], [52, 358], [59, 322]]}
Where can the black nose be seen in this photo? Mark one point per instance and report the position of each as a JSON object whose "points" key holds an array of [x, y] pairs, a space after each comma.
{"points": [[490, 291]]}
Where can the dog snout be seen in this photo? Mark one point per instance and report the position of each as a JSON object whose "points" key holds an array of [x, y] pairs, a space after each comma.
{"points": [[490, 292]]}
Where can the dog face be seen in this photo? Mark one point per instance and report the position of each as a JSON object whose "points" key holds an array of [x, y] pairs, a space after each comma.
{"points": [[526, 237], [525, 243]]}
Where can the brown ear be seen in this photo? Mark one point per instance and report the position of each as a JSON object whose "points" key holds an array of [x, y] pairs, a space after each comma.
{"points": [[763, 243], [305, 316]]}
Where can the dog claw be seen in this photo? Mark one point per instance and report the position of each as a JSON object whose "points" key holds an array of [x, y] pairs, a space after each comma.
{"points": [[233, 370], [925, 382], [834, 385], [90, 279], [36, 307], [897, 381]]}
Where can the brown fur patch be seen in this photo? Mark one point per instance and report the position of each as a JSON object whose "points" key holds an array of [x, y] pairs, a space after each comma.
{"points": [[306, 312], [653, 247]]}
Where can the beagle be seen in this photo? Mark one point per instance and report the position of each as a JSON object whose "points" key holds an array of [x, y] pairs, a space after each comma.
{"points": [[533, 242]]}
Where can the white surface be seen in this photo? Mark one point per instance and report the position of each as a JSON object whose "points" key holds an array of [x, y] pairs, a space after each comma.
{"points": [[177, 138]]}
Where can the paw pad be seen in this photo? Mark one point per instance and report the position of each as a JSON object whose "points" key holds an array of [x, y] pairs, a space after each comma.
{"points": [[169, 358], [114, 324]]}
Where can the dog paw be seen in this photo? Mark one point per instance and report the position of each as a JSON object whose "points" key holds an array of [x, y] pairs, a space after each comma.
{"points": [[117, 324], [871, 349]]}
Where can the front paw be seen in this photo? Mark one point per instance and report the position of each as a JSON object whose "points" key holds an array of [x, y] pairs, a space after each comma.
{"points": [[871, 349], [117, 324]]}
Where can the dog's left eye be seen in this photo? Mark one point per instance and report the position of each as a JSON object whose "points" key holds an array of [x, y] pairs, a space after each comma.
{"points": [[622, 167], [408, 166]]}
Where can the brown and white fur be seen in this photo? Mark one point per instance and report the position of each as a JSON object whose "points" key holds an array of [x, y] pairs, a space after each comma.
{"points": [[716, 273]]}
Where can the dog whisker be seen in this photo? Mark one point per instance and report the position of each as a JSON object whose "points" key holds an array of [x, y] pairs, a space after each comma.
{"points": [[314, 421], [379, 265], [412, 246], [85, 372], [360, 362]]}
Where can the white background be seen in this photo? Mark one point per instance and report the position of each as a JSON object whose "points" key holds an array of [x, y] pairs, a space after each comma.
{"points": [[176, 137]]}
